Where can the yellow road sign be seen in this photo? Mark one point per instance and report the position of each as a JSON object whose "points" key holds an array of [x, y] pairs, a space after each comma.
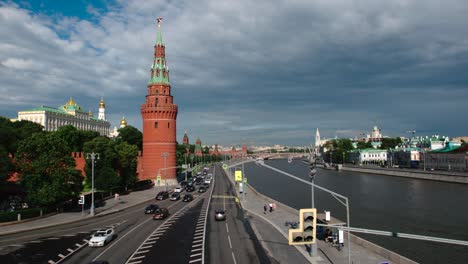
{"points": [[238, 175]]}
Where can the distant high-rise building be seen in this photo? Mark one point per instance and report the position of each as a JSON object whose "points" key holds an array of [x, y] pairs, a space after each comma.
{"points": [[159, 114]]}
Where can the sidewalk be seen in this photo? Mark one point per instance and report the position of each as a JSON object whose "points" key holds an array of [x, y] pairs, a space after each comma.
{"points": [[254, 203], [110, 206]]}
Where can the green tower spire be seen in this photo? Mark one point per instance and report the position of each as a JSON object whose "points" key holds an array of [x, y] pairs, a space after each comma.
{"points": [[159, 68], [159, 34]]}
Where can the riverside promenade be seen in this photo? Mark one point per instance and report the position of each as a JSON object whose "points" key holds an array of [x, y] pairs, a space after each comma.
{"points": [[362, 251]]}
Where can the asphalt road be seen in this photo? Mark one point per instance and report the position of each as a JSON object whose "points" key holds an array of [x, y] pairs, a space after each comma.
{"points": [[230, 241]]}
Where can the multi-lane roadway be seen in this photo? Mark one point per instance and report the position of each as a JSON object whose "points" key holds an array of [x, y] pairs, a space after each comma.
{"points": [[189, 235]]}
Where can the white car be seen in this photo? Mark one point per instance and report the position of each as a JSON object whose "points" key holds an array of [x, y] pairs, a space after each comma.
{"points": [[101, 238], [178, 190], [208, 180]]}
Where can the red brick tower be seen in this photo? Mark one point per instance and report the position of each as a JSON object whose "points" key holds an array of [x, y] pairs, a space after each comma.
{"points": [[159, 115]]}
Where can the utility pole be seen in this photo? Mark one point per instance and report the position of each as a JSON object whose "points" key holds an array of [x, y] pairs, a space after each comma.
{"points": [[165, 155], [93, 156]]}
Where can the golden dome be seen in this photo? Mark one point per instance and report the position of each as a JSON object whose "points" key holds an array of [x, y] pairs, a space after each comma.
{"points": [[123, 121], [71, 102], [102, 104]]}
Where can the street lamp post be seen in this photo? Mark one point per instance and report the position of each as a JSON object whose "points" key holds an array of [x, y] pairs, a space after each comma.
{"points": [[165, 155], [93, 156], [186, 169]]}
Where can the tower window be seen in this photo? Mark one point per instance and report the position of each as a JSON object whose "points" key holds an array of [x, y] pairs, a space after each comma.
{"points": [[166, 100], [155, 124], [168, 125]]}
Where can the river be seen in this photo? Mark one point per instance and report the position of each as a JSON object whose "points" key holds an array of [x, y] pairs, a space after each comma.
{"points": [[379, 202]]}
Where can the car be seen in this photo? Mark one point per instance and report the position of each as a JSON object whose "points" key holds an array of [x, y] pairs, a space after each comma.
{"points": [[187, 198], [162, 195], [208, 180], [183, 184], [178, 190], [190, 188], [161, 213], [175, 196], [202, 189], [151, 208], [220, 215], [101, 237]]}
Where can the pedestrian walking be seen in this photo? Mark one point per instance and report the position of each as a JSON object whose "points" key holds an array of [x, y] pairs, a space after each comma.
{"points": [[271, 207], [265, 208]]}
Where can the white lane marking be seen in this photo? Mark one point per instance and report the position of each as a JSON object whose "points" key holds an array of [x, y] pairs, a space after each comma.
{"points": [[52, 238], [78, 245], [69, 235], [145, 247], [151, 239], [51, 262], [197, 249], [61, 256], [195, 260], [197, 241], [35, 241], [135, 258], [198, 245], [151, 242], [197, 237], [227, 228], [70, 250], [86, 240], [194, 255], [230, 244], [234, 258], [142, 252], [135, 262]]}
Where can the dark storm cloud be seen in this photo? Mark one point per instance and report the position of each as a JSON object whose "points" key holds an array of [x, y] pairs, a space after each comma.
{"points": [[263, 71]]}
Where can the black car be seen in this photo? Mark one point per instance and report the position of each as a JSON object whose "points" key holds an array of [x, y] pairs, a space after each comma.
{"points": [[161, 213], [151, 208], [175, 196], [202, 189], [162, 195], [187, 198], [190, 188]]}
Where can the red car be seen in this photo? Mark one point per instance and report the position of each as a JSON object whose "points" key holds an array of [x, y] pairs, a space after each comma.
{"points": [[161, 213]]}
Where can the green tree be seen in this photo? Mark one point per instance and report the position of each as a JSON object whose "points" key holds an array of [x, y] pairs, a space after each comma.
{"points": [[364, 145], [390, 142], [132, 136], [75, 138], [106, 168], [127, 155], [6, 166], [206, 150], [47, 170]]}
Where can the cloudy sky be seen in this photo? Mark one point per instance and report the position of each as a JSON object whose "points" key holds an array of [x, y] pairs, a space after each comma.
{"points": [[258, 72]]}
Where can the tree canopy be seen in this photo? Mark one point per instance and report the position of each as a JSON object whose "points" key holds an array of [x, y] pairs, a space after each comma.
{"points": [[390, 142], [132, 136], [47, 170]]}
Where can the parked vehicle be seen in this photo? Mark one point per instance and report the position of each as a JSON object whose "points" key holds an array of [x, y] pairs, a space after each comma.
{"points": [[162, 195], [190, 188], [178, 190], [151, 208], [101, 237], [187, 198], [220, 215], [161, 213], [175, 196], [202, 189]]}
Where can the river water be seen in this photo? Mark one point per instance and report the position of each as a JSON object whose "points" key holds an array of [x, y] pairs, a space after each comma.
{"points": [[420, 207]]}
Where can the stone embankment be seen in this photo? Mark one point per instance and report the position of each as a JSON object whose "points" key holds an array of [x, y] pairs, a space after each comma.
{"points": [[455, 177]]}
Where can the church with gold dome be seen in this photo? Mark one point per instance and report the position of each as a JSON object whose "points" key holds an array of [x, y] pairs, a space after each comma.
{"points": [[114, 133], [71, 113]]}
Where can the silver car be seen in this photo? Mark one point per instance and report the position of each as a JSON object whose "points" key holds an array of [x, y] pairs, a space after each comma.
{"points": [[101, 238], [220, 215]]}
